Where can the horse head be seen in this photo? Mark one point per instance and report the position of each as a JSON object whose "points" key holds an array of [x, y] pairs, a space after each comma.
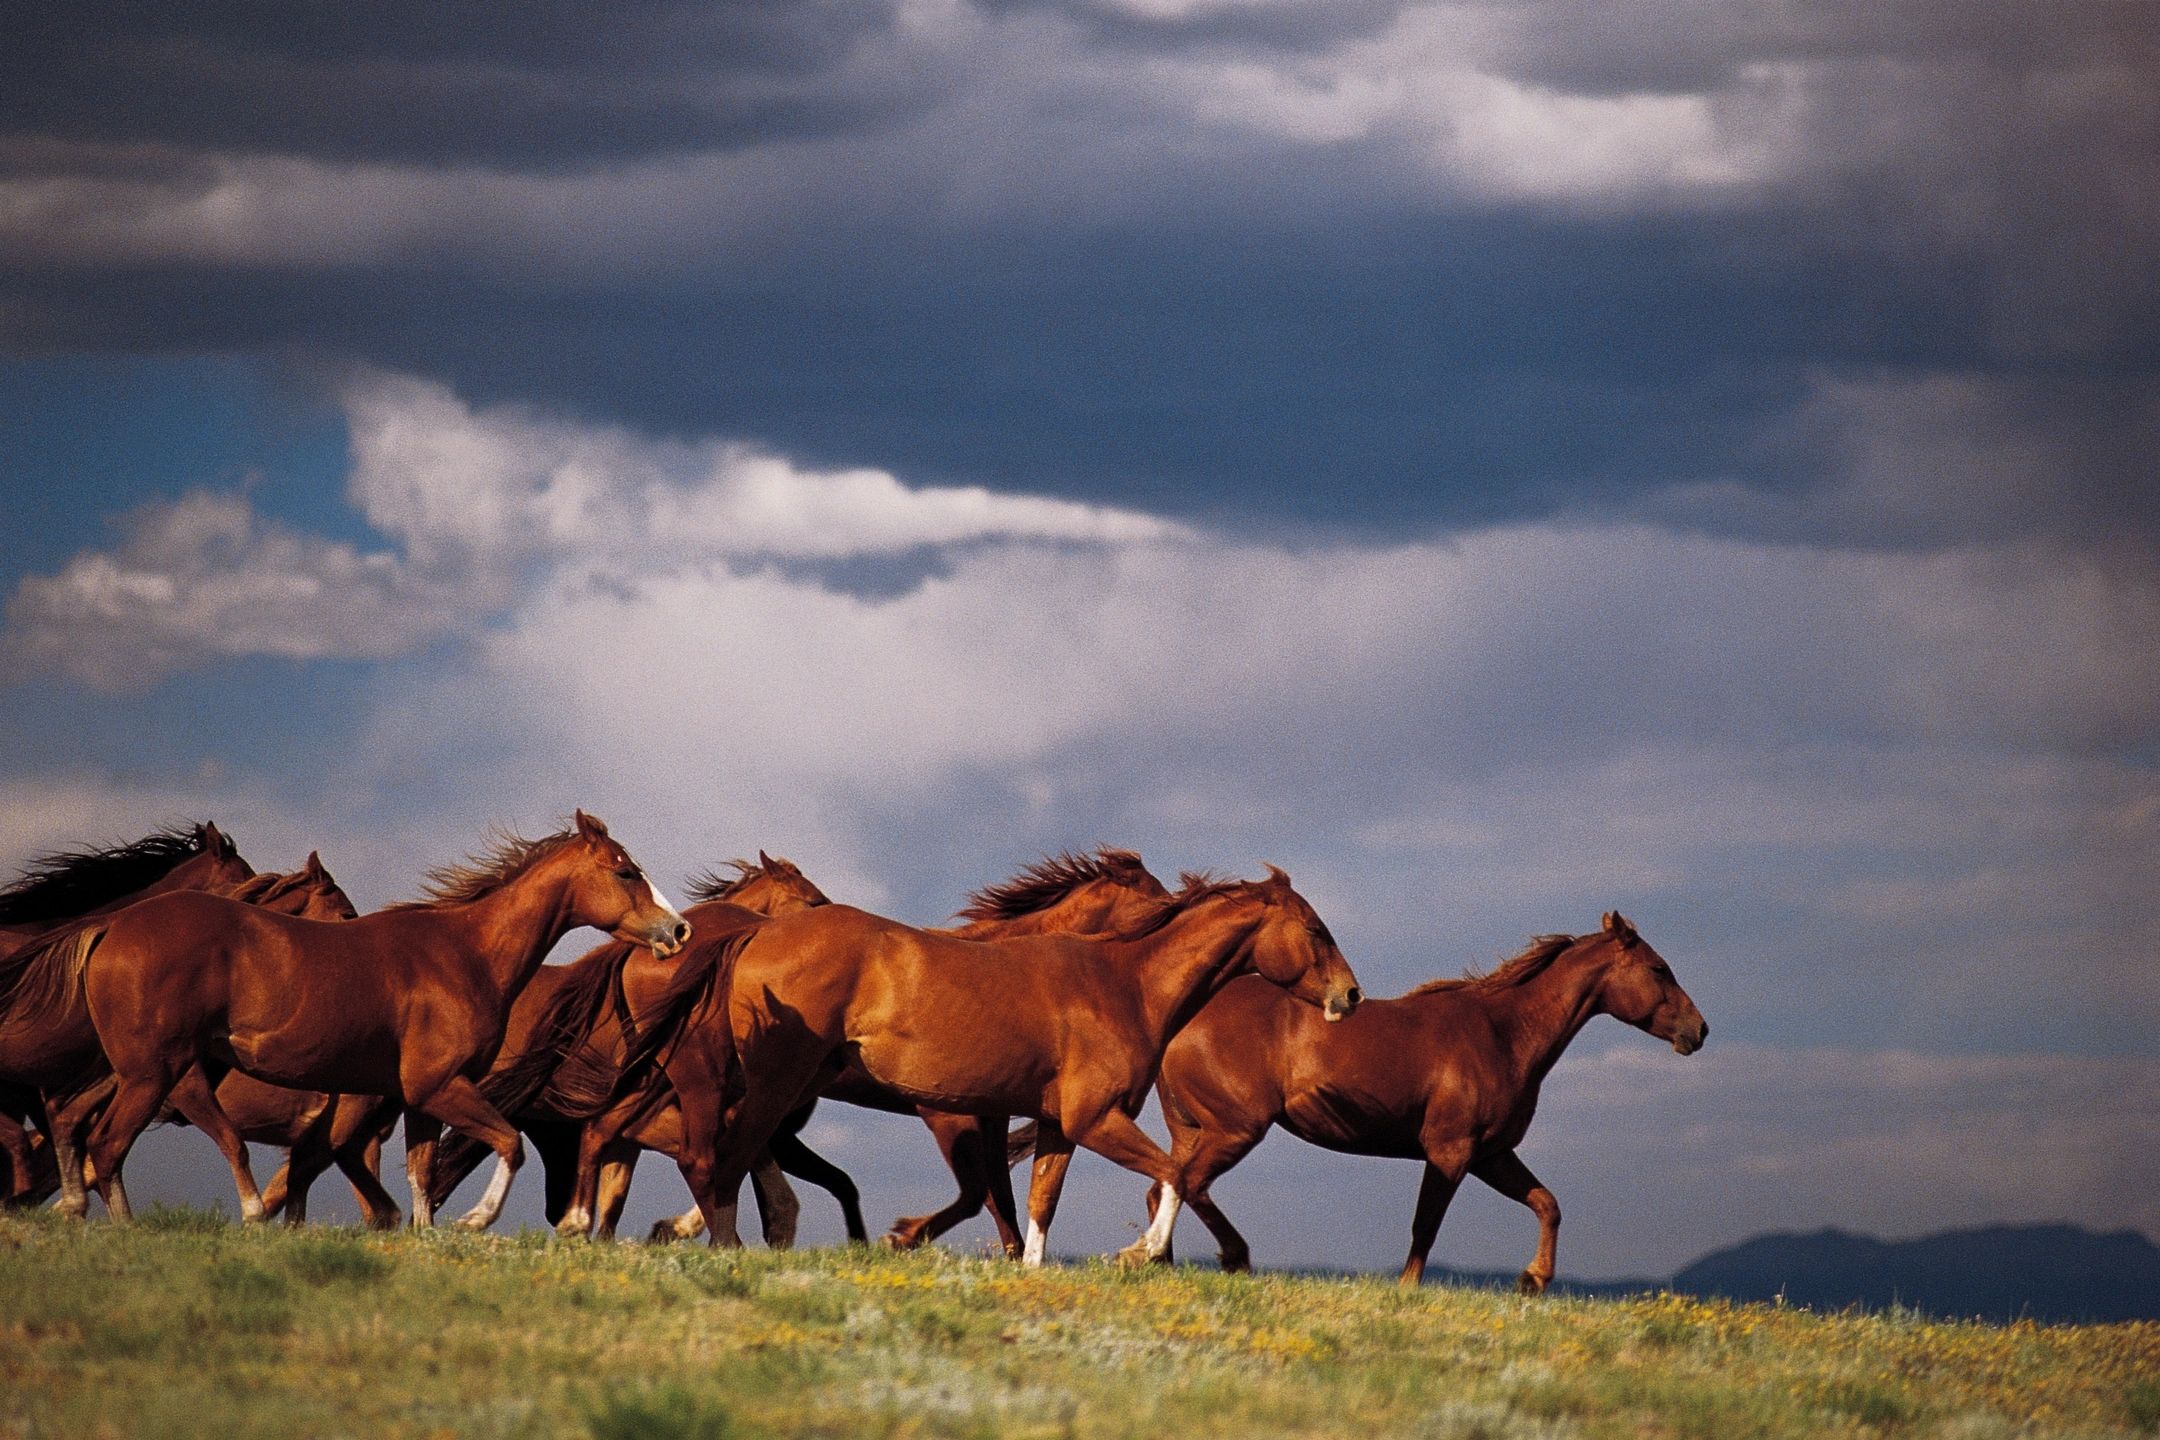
{"points": [[770, 886], [609, 891], [1638, 987], [1291, 946]]}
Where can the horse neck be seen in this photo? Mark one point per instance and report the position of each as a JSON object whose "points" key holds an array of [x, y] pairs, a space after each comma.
{"points": [[1180, 966], [1539, 1018], [1059, 919], [510, 930]]}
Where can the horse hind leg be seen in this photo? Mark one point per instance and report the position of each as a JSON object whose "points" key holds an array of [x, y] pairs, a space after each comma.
{"points": [[961, 1140], [779, 1209], [70, 1117], [800, 1161], [137, 1100], [193, 1098], [15, 1144]]}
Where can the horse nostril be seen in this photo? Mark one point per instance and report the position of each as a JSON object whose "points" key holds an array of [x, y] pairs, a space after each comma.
{"points": [[682, 931], [1356, 995]]}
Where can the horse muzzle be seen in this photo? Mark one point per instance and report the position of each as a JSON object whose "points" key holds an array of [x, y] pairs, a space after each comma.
{"points": [[1340, 1002], [1687, 1042], [667, 940]]}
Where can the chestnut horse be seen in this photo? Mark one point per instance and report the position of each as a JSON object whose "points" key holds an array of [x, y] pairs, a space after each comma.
{"points": [[566, 1010], [1069, 1030], [260, 1112], [1105, 892], [409, 1002], [45, 1037], [1447, 1074]]}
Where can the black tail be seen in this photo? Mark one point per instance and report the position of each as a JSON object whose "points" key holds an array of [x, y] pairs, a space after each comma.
{"points": [[1020, 1143], [589, 1081], [46, 974], [516, 1087]]}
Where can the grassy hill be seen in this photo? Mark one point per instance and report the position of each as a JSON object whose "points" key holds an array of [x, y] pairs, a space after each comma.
{"points": [[185, 1325]]}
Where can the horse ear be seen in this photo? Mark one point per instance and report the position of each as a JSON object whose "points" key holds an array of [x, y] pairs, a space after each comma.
{"points": [[590, 827], [212, 840], [314, 867], [1278, 877], [1617, 926], [764, 861]]}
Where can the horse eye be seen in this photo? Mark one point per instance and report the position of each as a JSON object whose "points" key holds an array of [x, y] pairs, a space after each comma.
{"points": [[628, 872]]}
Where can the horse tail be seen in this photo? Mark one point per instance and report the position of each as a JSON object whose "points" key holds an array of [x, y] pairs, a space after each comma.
{"points": [[588, 1082], [1020, 1143], [566, 1024], [46, 974]]}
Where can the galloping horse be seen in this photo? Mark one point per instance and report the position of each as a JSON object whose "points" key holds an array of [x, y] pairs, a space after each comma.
{"points": [[1067, 1029], [1081, 894], [408, 1002], [40, 1041], [1447, 1074], [1107, 891], [565, 1010], [63, 1042]]}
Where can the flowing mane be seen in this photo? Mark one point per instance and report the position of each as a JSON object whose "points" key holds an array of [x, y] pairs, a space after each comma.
{"points": [[712, 885], [1194, 886], [1533, 960], [69, 882], [1046, 882], [506, 856]]}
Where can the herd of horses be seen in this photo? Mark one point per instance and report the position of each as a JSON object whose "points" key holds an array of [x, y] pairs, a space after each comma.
{"points": [[167, 980]]}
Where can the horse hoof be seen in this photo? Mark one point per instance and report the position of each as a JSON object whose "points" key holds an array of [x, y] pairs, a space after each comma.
{"points": [[471, 1223], [1530, 1283], [1135, 1255], [663, 1233]]}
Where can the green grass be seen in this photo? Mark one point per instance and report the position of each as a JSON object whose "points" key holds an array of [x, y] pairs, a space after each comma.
{"points": [[184, 1325]]}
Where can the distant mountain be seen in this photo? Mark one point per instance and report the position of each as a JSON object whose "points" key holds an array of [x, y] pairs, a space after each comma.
{"points": [[2001, 1272]]}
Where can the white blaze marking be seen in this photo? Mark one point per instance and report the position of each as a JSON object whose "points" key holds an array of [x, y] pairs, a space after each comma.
{"points": [[1033, 1254], [1158, 1233], [660, 899]]}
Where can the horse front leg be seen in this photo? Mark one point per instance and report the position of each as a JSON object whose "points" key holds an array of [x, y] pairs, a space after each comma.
{"points": [[1507, 1174], [1445, 1165], [1115, 1136], [1053, 1157], [459, 1104]]}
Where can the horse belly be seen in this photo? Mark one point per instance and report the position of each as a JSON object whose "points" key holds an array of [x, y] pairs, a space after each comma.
{"points": [[301, 1054], [989, 1078], [1336, 1120]]}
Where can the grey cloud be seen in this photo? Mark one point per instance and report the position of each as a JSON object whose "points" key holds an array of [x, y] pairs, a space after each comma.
{"points": [[1291, 25], [545, 85]]}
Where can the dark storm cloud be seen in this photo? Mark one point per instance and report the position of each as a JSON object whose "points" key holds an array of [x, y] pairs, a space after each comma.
{"points": [[1899, 286], [1423, 373], [1278, 24], [531, 85]]}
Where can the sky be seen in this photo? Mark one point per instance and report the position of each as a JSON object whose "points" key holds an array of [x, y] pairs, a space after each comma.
{"points": [[1500, 461]]}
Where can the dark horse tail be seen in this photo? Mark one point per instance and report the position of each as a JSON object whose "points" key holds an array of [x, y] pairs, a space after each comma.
{"points": [[567, 1076], [44, 976], [1020, 1143]]}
